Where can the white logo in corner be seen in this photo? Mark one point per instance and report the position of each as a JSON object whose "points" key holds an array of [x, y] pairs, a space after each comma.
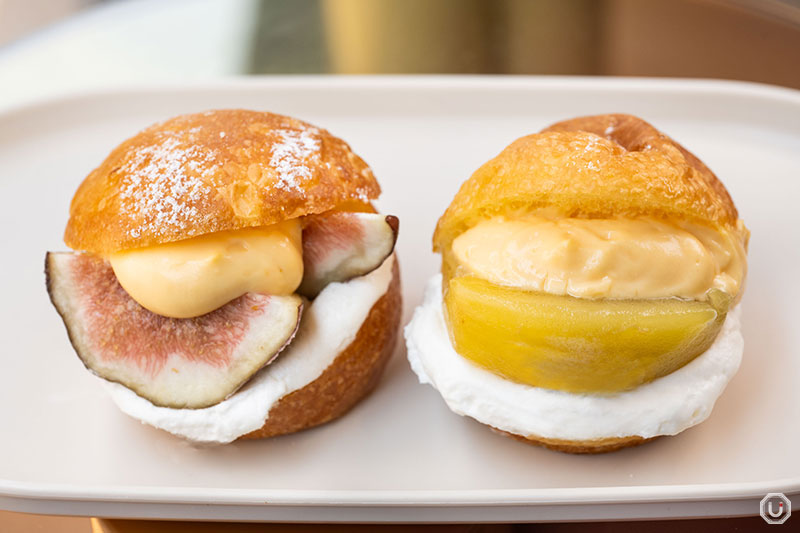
{"points": [[776, 508]]}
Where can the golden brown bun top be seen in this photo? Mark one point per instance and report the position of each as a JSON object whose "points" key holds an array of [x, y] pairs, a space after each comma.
{"points": [[604, 166], [214, 171]]}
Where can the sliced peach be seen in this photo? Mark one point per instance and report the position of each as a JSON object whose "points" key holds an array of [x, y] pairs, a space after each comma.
{"points": [[578, 345]]}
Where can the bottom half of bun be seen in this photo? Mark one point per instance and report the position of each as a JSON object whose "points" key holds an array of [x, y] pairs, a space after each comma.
{"points": [[351, 376], [564, 421], [604, 445]]}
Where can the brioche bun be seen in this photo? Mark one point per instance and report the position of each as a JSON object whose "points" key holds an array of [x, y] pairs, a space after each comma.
{"points": [[602, 166], [214, 171]]}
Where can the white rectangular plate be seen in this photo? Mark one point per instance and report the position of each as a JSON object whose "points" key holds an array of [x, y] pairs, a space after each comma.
{"points": [[401, 455]]}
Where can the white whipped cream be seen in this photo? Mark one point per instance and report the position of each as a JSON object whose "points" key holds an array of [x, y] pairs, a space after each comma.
{"points": [[665, 406], [329, 325]]}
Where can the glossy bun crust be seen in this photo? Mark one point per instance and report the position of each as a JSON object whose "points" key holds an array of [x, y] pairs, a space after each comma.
{"points": [[214, 171], [351, 376], [602, 166]]}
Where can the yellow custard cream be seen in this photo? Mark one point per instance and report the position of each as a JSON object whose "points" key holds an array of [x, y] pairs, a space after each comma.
{"points": [[602, 258], [195, 276]]}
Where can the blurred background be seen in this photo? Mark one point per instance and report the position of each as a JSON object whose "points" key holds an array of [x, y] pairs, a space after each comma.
{"points": [[56, 46]]}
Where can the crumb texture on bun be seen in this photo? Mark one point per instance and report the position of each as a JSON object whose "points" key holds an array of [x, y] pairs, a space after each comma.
{"points": [[603, 166], [214, 171]]}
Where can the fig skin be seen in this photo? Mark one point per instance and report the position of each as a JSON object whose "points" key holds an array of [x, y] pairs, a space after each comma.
{"points": [[219, 358], [339, 246]]}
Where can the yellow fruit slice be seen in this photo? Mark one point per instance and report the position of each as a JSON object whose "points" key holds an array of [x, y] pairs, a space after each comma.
{"points": [[578, 345]]}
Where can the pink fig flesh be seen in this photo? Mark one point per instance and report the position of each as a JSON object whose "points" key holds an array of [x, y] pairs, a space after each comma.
{"points": [[179, 363], [339, 246]]}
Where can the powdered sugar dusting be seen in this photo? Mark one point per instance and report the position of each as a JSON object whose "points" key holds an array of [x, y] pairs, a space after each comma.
{"points": [[362, 194], [289, 156], [163, 183]]}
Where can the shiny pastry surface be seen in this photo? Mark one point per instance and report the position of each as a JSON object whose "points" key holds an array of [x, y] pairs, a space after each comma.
{"points": [[214, 171]]}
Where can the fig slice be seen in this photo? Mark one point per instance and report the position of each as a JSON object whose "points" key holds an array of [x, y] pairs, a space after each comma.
{"points": [[172, 362], [340, 246]]}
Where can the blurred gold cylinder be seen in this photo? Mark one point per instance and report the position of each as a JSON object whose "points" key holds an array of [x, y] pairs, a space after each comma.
{"points": [[549, 36], [415, 36]]}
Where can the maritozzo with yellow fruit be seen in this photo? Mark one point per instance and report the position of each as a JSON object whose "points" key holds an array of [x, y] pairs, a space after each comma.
{"points": [[588, 300]]}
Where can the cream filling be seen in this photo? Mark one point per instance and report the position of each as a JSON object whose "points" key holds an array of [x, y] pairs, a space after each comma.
{"points": [[194, 276], [602, 258], [328, 326], [665, 406]]}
